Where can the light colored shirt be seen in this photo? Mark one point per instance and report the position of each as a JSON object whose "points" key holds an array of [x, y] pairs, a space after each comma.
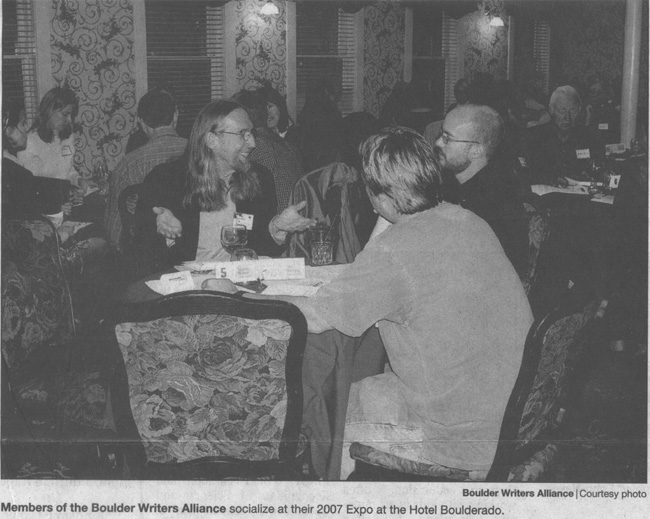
{"points": [[54, 159], [453, 317], [210, 224]]}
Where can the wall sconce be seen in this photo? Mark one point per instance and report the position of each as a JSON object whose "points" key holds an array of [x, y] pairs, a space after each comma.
{"points": [[496, 21], [269, 9], [493, 9]]}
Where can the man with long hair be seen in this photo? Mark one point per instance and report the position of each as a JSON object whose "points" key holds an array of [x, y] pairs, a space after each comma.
{"points": [[50, 143], [193, 197]]}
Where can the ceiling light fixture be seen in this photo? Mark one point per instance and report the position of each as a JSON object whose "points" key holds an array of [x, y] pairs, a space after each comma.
{"points": [[494, 10], [269, 9]]}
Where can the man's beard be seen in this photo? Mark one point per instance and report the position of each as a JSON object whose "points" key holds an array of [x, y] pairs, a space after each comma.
{"points": [[454, 167], [242, 165], [244, 184]]}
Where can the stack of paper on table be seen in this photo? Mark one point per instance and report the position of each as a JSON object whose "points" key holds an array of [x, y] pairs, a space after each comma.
{"points": [[543, 189], [237, 271], [315, 278], [191, 275], [603, 198]]}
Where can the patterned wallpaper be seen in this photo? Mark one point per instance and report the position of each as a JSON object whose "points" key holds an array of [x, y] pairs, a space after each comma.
{"points": [[260, 45], [92, 53], [590, 39], [92, 44], [481, 48], [383, 51]]}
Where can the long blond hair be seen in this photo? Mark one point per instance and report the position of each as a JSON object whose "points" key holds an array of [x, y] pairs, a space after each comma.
{"points": [[205, 187]]}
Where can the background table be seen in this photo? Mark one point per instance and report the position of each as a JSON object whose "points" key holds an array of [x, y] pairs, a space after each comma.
{"points": [[586, 242]]}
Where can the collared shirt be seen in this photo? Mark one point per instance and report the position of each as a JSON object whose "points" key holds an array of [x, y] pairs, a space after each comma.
{"points": [[275, 154], [49, 159], [163, 146]]}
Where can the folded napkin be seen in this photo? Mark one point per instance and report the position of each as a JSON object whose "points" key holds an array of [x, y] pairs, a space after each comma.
{"points": [[293, 287], [603, 198], [172, 283], [315, 278], [543, 189], [573, 182]]}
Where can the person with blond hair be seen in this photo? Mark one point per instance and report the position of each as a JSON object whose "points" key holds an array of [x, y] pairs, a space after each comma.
{"points": [[450, 309]]}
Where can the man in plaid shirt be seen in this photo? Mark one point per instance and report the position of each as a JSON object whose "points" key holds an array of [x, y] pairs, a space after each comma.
{"points": [[271, 150], [157, 116]]}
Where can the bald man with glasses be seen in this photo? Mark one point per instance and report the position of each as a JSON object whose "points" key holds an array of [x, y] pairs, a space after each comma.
{"points": [[480, 182]]}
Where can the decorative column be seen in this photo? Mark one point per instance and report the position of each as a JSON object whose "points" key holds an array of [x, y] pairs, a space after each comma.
{"points": [[630, 97]]}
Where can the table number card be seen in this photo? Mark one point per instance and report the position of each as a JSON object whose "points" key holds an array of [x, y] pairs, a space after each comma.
{"points": [[614, 181], [270, 269]]}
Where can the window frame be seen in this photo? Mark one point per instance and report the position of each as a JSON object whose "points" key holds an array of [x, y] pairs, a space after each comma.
{"points": [[214, 57], [26, 53], [411, 60], [350, 52]]}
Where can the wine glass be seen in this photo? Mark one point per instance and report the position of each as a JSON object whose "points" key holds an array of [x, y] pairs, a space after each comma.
{"points": [[233, 237], [100, 176], [243, 254]]}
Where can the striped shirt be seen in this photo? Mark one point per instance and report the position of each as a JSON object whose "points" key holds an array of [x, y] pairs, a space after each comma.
{"points": [[163, 146], [275, 154]]}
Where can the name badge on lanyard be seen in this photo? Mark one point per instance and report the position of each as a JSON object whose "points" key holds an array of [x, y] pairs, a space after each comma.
{"points": [[243, 219], [603, 126], [583, 154], [66, 151]]}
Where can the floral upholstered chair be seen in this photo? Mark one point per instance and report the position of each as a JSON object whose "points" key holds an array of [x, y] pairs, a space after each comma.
{"points": [[539, 229], [211, 387], [560, 333], [526, 447], [41, 393], [36, 304]]}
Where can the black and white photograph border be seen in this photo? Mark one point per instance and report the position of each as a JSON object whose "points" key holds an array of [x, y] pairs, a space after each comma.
{"points": [[573, 440]]}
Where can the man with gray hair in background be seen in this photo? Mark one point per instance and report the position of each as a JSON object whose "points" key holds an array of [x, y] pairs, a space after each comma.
{"points": [[565, 146]]}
